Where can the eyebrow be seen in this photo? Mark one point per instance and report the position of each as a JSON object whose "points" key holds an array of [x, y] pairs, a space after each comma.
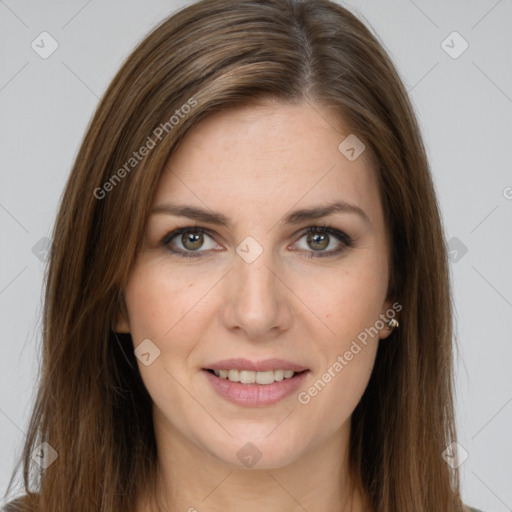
{"points": [[296, 217]]}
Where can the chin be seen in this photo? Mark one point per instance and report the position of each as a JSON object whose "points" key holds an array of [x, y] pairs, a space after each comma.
{"points": [[261, 451]]}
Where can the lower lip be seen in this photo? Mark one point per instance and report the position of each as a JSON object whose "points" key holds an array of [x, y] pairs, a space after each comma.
{"points": [[255, 395]]}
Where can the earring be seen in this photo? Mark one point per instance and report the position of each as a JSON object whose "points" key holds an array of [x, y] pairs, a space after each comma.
{"points": [[392, 324]]}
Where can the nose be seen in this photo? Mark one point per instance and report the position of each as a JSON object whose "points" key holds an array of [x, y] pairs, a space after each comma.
{"points": [[257, 300]]}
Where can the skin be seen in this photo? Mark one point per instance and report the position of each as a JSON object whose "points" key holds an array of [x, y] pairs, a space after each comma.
{"points": [[256, 164]]}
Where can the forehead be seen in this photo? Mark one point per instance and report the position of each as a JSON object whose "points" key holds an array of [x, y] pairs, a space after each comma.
{"points": [[273, 155]]}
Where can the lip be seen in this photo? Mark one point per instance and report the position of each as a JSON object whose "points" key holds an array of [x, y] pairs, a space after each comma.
{"points": [[255, 395], [256, 366]]}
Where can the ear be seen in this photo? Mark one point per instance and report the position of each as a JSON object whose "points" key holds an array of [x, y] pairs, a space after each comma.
{"points": [[122, 324], [386, 315]]}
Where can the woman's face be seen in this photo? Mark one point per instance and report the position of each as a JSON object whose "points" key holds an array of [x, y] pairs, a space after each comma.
{"points": [[244, 280]]}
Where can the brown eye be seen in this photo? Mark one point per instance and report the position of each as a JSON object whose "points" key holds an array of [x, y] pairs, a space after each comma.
{"points": [[192, 241], [322, 241], [189, 241], [318, 241]]}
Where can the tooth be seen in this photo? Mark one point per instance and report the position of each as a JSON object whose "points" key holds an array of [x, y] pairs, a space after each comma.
{"points": [[265, 377], [247, 377], [250, 377], [278, 375], [234, 375]]}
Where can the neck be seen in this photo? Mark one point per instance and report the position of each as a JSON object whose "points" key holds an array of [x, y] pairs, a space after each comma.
{"points": [[191, 479]]}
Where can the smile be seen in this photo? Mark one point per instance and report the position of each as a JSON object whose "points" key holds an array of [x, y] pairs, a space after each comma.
{"points": [[251, 377], [255, 389]]}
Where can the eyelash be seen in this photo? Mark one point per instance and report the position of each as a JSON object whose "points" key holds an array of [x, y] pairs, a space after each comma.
{"points": [[345, 240]]}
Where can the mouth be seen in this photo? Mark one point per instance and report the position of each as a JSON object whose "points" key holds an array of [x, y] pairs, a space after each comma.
{"points": [[249, 388]]}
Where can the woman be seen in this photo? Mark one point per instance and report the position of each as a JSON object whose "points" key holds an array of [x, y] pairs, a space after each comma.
{"points": [[247, 303]]}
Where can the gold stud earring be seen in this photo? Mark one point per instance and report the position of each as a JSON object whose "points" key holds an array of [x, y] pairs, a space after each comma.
{"points": [[392, 324]]}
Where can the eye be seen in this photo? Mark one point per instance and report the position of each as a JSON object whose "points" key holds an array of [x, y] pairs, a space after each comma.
{"points": [[191, 239], [187, 241], [319, 238]]}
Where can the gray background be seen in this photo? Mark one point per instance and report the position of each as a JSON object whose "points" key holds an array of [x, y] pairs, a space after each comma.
{"points": [[464, 106]]}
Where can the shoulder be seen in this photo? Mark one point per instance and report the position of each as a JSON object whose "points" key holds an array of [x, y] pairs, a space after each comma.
{"points": [[471, 509]]}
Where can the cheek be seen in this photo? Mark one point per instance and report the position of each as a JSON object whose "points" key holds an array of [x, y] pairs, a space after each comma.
{"points": [[348, 299], [160, 300], [172, 309], [353, 302], [339, 398], [347, 365], [162, 306]]}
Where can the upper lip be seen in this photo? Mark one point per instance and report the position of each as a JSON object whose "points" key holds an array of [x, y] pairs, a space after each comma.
{"points": [[256, 366]]}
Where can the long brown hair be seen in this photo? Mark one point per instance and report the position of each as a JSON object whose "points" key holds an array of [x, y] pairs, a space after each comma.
{"points": [[92, 406]]}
